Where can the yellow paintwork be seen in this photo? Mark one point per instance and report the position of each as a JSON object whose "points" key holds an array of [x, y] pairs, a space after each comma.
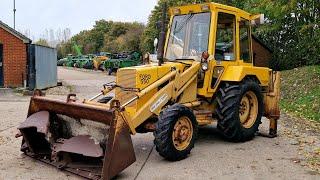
{"points": [[152, 98], [147, 75], [177, 81], [234, 71], [237, 73]]}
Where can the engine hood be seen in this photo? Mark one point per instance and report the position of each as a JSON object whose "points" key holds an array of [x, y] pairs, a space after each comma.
{"points": [[145, 75]]}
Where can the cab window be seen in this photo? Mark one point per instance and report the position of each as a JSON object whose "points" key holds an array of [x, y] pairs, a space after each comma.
{"points": [[225, 39], [245, 53], [189, 36]]}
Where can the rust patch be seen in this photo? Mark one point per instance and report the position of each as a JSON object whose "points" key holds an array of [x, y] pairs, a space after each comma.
{"points": [[272, 99], [74, 110], [82, 144], [34, 129], [39, 120]]}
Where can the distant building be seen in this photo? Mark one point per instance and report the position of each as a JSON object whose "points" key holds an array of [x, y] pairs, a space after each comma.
{"points": [[13, 57], [262, 54], [23, 63]]}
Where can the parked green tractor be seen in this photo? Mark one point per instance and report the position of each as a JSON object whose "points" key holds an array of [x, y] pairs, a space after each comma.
{"points": [[61, 62], [133, 59], [71, 61], [85, 61], [64, 61]]}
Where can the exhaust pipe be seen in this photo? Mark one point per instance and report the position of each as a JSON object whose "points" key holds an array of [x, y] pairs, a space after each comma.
{"points": [[162, 35]]}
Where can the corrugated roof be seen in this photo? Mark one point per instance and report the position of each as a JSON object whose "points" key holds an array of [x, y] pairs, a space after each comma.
{"points": [[15, 33]]}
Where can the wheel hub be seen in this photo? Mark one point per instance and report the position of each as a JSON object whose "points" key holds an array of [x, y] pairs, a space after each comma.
{"points": [[248, 110], [182, 133]]}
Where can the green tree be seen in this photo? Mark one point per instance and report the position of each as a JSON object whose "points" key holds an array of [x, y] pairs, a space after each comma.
{"points": [[42, 42], [292, 31], [105, 36]]}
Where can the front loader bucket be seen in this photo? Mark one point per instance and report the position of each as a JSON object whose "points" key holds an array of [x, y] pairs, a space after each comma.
{"points": [[86, 140]]}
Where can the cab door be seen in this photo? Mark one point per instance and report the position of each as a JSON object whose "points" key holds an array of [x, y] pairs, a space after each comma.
{"points": [[225, 47]]}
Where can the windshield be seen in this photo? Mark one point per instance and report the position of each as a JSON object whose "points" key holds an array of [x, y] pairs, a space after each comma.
{"points": [[189, 36]]}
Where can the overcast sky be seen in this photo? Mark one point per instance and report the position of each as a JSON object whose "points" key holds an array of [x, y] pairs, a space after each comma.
{"points": [[37, 15]]}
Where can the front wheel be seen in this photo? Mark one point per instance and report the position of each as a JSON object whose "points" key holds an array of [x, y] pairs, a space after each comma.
{"points": [[239, 110], [176, 132]]}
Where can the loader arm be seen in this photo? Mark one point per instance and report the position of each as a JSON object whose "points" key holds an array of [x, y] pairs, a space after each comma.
{"points": [[177, 83]]}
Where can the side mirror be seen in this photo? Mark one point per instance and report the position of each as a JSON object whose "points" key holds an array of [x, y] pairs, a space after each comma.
{"points": [[257, 19], [155, 43]]}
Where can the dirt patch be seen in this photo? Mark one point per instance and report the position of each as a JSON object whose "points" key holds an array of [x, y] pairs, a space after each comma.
{"points": [[305, 135], [60, 90]]}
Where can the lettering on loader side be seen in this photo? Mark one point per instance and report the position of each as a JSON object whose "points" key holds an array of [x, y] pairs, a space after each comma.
{"points": [[159, 102]]}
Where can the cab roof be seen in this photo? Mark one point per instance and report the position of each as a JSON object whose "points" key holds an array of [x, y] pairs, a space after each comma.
{"points": [[198, 8]]}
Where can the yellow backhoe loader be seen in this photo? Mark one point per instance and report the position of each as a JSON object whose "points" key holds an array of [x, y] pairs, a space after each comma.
{"points": [[205, 73]]}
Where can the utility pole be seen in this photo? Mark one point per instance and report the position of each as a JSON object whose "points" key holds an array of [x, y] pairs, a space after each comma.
{"points": [[14, 14]]}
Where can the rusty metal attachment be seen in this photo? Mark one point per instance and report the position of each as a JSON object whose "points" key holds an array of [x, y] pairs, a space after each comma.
{"points": [[90, 141], [271, 104]]}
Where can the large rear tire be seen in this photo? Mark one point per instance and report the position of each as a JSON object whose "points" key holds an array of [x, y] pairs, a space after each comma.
{"points": [[239, 110], [176, 132]]}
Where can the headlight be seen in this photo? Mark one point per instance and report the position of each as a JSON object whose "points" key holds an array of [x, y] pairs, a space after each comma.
{"points": [[204, 66]]}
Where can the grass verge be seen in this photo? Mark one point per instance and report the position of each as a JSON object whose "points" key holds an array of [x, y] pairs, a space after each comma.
{"points": [[301, 92]]}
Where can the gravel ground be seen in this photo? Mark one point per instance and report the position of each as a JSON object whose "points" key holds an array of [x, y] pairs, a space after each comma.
{"points": [[84, 83], [289, 156]]}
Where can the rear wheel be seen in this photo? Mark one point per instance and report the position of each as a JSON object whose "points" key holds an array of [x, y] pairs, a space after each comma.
{"points": [[176, 131], [239, 110]]}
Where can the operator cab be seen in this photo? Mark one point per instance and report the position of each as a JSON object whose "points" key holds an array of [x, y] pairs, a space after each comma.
{"points": [[211, 27], [216, 35]]}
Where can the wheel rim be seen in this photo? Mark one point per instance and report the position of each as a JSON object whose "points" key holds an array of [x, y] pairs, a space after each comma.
{"points": [[182, 133], [248, 111]]}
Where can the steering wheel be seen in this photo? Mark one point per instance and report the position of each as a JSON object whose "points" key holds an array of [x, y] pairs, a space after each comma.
{"points": [[219, 54]]}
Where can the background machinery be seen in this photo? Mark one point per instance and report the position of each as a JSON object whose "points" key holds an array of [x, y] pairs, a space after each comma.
{"points": [[63, 61], [85, 61], [195, 83], [99, 60], [132, 59]]}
